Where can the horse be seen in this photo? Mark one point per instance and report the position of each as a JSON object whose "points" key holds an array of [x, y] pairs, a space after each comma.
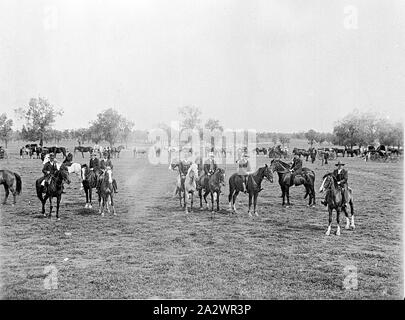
{"points": [[339, 150], [83, 150], [334, 201], [211, 185], [253, 187], [139, 151], [54, 189], [11, 182], [262, 150], [106, 191], [301, 152], [190, 185], [57, 150], [89, 182], [284, 175]]}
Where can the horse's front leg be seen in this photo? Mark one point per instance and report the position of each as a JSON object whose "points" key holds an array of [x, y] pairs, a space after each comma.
{"points": [[235, 195], [212, 201], [288, 196], [218, 193], [255, 203], [330, 221], [99, 202], [50, 207], [250, 204], [57, 206], [283, 195], [205, 198], [338, 221], [200, 196]]}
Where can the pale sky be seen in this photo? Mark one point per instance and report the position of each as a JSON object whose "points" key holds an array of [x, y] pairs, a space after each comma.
{"points": [[269, 65]]}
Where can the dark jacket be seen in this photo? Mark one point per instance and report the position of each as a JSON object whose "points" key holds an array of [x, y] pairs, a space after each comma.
{"points": [[342, 177], [297, 164], [105, 163], [210, 166], [49, 167], [184, 166], [94, 163]]}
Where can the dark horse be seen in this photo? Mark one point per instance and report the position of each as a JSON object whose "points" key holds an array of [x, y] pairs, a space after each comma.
{"points": [[89, 182], [211, 185], [301, 152], [334, 201], [57, 150], [253, 187], [54, 189], [12, 182], [106, 191], [83, 150], [284, 174]]}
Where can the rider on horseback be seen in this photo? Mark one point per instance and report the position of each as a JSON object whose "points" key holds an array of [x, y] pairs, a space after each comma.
{"points": [[103, 165], [49, 170], [210, 165], [341, 176], [296, 168], [244, 169]]}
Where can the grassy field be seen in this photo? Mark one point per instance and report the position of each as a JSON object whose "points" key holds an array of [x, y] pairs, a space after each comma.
{"points": [[153, 250]]}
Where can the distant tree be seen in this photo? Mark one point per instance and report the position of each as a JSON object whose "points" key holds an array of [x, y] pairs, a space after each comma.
{"points": [[39, 116], [321, 137], [191, 117], [284, 139], [127, 127], [110, 123], [213, 124], [6, 130], [274, 138], [311, 136]]}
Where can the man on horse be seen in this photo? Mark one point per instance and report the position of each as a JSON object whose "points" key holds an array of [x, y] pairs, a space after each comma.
{"points": [[210, 165], [184, 163], [341, 176], [49, 170], [104, 164], [244, 169], [296, 169]]}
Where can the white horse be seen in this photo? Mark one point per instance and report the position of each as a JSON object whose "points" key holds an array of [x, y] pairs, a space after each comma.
{"points": [[190, 186]]}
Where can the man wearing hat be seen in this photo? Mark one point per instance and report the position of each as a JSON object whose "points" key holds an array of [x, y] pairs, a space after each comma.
{"points": [[296, 168], [94, 163], [49, 169], [185, 162], [341, 176], [244, 168], [210, 165], [104, 164]]}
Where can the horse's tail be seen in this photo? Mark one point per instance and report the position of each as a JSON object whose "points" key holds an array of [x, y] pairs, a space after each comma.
{"points": [[19, 183]]}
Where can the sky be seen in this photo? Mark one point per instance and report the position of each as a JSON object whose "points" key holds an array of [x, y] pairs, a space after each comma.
{"points": [[283, 66]]}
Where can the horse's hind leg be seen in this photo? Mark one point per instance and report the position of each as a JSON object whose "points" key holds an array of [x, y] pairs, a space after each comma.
{"points": [[7, 192], [255, 203], [330, 222], [235, 195], [352, 214], [57, 207], [50, 207]]}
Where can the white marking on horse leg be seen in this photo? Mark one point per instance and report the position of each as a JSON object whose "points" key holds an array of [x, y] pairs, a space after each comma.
{"points": [[328, 231], [347, 223], [352, 223], [256, 213], [338, 231]]}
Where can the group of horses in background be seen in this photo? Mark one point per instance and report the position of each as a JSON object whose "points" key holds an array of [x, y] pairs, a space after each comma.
{"points": [[113, 152]]}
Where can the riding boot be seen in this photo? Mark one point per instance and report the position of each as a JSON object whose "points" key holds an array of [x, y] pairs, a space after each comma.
{"points": [[244, 187]]}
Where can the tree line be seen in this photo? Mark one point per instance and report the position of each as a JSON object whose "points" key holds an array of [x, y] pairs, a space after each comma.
{"points": [[39, 117], [355, 129]]}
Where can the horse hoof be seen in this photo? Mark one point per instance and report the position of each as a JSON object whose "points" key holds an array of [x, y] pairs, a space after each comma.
{"points": [[338, 233], [347, 227], [327, 233], [352, 226], [58, 219], [256, 214]]}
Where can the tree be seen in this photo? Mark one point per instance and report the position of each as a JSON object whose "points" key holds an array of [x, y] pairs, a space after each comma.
{"points": [[126, 131], [110, 124], [39, 116], [213, 124], [321, 137], [274, 138], [6, 130], [311, 136], [284, 139], [191, 117]]}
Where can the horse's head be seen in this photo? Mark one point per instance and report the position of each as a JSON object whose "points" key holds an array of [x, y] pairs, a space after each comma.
{"points": [[267, 173], [64, 173], [221, 175], [327, 181], [108, 172]]}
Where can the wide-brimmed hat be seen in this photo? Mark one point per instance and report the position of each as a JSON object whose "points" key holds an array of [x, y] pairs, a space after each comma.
{"points": [[339, 164]]}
